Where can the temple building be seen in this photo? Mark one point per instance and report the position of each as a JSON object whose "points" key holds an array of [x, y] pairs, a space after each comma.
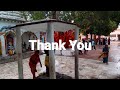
{"points": [[115, 35], [8, 36]]}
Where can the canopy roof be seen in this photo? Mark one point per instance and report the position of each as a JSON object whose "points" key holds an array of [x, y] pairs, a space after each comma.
{"points": [[41, 25], [115, 32]]}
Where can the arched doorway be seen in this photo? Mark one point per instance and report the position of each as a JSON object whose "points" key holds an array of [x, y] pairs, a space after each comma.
{"points": [[10, 42], [42, 36], [26, 36], [119, 37]]}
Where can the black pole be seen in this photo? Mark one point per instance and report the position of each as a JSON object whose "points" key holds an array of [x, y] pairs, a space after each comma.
{"points": [[91, 36]]}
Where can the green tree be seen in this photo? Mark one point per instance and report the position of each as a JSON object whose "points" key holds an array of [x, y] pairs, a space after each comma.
{"points": [[97, 22]]}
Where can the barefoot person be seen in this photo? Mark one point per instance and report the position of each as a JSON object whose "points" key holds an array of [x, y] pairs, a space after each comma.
{"points": [[34, 59], [93, 45], [105, 54]]}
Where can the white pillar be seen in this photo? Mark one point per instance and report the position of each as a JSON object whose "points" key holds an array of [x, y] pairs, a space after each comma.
{"points": [[76, 55], [3, 46], [19, 52], [50, 38]]}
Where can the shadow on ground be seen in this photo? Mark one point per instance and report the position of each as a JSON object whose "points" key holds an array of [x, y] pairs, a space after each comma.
{"points": [[58, 76]]}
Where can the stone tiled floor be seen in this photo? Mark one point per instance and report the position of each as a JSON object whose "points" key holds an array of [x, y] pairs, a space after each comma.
{"points": [[114, 53], [88, 69]]}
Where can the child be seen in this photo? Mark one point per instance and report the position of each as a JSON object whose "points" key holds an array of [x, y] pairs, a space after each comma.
{"points": [[47, 62], [93, 45]]}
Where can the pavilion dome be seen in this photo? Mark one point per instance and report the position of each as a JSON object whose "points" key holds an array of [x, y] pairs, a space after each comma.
{"points": [[13, 15]]}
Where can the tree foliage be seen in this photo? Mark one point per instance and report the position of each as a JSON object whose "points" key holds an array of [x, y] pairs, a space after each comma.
{"points": [[96, 22]]}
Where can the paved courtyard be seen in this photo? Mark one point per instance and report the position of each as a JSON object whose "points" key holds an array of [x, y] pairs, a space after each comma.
{"points": [[114, 53], [88, 68]]}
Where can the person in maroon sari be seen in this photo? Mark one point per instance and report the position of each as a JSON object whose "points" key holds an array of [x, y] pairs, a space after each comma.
{"points": [[34, 60]]}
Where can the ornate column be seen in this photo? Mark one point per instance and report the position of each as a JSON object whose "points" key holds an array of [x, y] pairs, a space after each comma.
{"points": [[3, 45]]}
